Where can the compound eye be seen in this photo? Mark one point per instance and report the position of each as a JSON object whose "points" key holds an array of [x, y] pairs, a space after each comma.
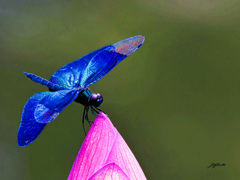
{"points": [[96, 99]]}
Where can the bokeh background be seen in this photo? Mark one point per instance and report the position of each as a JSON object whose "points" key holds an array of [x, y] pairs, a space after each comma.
{"points": [[175, 101]]}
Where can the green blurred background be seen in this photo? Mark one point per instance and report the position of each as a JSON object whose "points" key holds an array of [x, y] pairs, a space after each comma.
{"points": [[175, 100]]}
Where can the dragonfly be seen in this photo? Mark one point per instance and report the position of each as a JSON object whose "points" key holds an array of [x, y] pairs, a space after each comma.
{"points": [[71, 83]]}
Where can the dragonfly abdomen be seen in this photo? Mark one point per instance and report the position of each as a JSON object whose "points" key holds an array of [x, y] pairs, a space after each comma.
{"points": [[44, 82]]}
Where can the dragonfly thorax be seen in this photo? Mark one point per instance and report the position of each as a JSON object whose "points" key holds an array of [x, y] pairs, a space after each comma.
{"points": [[87, 98]]}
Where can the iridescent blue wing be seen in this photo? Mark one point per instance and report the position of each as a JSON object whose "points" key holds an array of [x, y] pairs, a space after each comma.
{"points": [[106, 60], [92, 67], [69, 75], [40, 109], [99, 65]]}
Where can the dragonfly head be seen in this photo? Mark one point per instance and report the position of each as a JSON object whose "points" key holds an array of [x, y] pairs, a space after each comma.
{"points": [[96, 99]]}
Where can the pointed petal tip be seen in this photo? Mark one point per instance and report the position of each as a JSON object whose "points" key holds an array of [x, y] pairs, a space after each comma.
{"points": [[102, 114], [101, 117]]}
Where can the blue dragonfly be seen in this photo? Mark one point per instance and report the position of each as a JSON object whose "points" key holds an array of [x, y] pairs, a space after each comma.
{"points": [[70, 83]]}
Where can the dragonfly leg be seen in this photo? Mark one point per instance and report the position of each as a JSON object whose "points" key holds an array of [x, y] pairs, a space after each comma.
{"points": [[100, 110], [96, 111], [86, 117]]}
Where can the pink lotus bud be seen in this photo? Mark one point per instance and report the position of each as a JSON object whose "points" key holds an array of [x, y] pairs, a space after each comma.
{"points": [[105, 155]]}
